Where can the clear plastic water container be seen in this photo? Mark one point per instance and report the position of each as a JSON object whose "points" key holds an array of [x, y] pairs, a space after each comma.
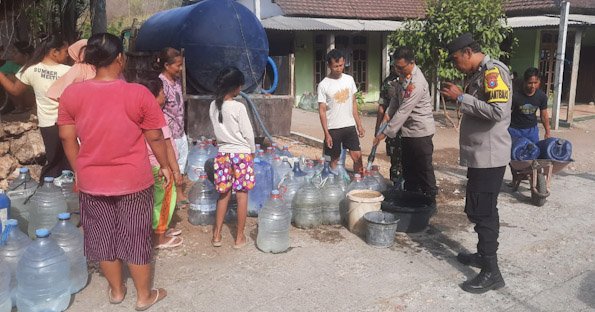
{"points": [[197, 157], [67, 184], [307, 206], [5, 298], [274, 221], [15, 244], [19, 192], [263, 185], [371, 182], [70, 239], [48, 202], [4, 207], [332, 196], [285, 152], [203, 202], [43, 282], [356, 184]]}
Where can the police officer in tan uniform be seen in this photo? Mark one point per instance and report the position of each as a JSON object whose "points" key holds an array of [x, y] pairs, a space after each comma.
{"points": [[414, 118], [485, 146]]}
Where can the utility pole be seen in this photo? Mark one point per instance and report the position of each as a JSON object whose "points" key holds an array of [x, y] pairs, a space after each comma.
{"points": [[560, 55], [98, 17]]}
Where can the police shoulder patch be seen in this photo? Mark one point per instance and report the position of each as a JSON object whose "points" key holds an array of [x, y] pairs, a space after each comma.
{"points": [[495, 88]]}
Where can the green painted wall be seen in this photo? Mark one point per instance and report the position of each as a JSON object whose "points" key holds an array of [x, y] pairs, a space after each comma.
{"points": [[304, 64], [374, 66], [526, 53]]}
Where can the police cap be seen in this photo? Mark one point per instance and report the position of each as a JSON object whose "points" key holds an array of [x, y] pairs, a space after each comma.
{"points": [[459, 43]]}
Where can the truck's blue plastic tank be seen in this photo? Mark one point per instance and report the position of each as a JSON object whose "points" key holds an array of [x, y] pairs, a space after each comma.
{"points": [[214, 34]]}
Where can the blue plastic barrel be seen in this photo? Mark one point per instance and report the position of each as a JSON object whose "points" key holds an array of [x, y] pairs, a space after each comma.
{"points": [[214, 34], [523, 149], [556, 149]]}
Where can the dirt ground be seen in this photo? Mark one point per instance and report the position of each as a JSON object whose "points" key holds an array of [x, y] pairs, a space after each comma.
{"points": [[547, 254]]}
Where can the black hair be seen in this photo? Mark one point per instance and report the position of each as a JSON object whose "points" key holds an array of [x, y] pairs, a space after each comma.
{"points": [[24, 48], [166, 57], [228, 80], [102, 49], [47, 44], [474, 46], [153, 83], [531, 72], [405, 53], [334, 55]]}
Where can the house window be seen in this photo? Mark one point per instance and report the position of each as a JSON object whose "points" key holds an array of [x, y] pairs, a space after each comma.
{"points": [[547, 60]]}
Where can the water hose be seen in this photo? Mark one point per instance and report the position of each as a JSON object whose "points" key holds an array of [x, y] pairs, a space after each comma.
{"points": [[372, 155], [275, 76], [257, 115]]}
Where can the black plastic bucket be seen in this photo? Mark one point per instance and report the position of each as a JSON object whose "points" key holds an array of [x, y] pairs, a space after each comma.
{"points": [[413, 210], [380, 229]]}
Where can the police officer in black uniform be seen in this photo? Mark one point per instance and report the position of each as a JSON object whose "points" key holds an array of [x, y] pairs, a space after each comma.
{"points": [[484, 148], [389, 93]]}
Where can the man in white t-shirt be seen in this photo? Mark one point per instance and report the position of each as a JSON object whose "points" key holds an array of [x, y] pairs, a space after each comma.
{"points": [[339, 117]]}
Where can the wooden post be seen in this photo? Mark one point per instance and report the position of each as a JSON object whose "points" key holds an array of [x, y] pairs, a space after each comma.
{"points": [[560, 54], [574, 76]]}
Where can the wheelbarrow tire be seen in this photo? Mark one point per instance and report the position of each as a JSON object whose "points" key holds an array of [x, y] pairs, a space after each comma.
{"points": [[540, 197]]}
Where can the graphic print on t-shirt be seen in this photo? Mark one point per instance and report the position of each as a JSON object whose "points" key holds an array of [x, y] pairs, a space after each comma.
{"points": [[46, 74], [528, 109], [342, 96]]}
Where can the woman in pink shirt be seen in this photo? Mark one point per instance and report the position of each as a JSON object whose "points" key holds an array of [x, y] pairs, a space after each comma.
{"points": [[112, 119], [79, 72]]}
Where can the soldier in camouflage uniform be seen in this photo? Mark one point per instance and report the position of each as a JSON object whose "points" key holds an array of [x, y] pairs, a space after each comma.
{"points": [[389, 93]]}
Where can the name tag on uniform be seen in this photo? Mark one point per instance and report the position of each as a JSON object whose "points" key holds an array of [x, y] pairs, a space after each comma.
{"points": [[495, 88]]}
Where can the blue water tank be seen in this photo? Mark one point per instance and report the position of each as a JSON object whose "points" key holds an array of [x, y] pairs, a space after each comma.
{"points": [[214, 34]]}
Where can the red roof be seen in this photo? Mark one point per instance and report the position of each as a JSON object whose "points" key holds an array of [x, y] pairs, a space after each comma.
{"points": [[358, 9], [406, 9]]}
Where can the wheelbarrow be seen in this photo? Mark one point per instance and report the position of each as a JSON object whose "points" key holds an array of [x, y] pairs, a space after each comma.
{"points": [[539, 174]]}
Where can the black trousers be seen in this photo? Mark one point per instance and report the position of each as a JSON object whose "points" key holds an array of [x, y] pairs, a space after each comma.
{"points": [[483, 187], [418, 170], [54, 153]]}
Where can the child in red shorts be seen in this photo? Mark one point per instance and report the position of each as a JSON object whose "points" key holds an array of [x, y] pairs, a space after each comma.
{"points": [[234, 167]]}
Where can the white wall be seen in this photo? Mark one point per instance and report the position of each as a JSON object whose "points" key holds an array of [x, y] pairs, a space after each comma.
{"points": [[267, 8]]}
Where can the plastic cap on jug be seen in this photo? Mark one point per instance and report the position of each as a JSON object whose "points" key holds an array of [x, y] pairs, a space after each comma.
{"points": [[12, 222], [64, 216], [257, 160], [42, 233], [48, 179], [24, 170], [275, 192]]}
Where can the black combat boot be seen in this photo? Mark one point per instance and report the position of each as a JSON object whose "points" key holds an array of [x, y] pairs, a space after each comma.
{"points": [[489, 278], [473, 260]]}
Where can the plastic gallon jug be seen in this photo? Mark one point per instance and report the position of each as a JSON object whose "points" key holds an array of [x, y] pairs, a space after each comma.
{"points": [[48, 202], [71, 240], [263, 185], [5, 298], [43, 282], [371, 182], [332, 195], [15, 244], [203, 202], [556, 149], [197, 158], [523, 149], [307, 206], [19, 191], [359, 203], [67, 184], [357, 184], [274, 221]]}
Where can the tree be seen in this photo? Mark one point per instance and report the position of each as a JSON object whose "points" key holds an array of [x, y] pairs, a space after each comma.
{"points": [[446, 20], [54, 16], [98, 16]]}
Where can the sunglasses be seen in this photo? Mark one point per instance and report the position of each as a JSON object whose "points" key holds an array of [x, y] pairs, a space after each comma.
{"points": [[402, 67]]}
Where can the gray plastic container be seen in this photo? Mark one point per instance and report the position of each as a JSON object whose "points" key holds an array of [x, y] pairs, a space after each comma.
{"points": [[380, 229]]}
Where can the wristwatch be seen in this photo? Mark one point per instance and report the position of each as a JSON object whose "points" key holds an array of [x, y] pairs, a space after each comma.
{"points": [[460, 98]]}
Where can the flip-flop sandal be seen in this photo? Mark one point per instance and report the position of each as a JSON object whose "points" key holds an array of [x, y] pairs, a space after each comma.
{"points": [[216, 243], [171, 243], [246, 241], [173, 232], [158, 298], [111, 300]]}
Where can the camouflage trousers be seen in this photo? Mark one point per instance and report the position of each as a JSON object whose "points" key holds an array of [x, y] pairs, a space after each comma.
{"points": [[394, 149]]}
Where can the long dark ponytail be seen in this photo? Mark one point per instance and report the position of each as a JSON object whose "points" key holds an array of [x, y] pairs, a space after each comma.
{"points": [[229, 79], [51, 42]]}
